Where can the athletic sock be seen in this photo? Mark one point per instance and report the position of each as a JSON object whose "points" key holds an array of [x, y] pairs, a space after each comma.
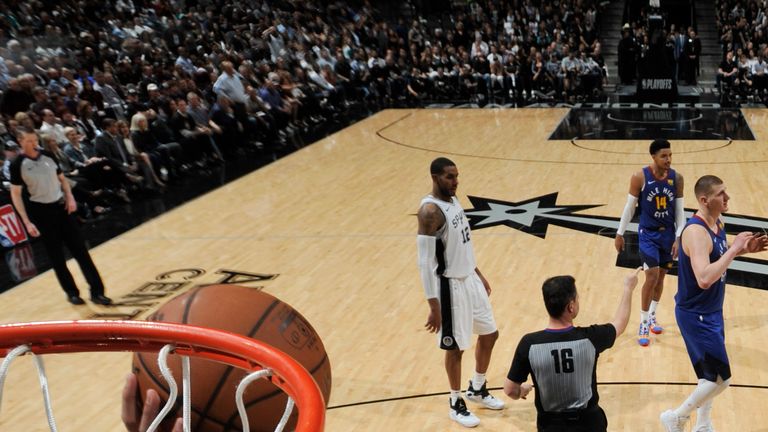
{"points": [[652, 309], [704, 392], [703, 413], [455, 395], [478, 380], [644, 317]]}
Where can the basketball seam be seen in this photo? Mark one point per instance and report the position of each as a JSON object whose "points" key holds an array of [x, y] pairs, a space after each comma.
{"points": [[228, 371], [162, 384], [188, 305]]}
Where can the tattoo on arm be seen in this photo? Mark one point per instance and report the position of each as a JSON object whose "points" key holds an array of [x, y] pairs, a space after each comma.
{"points": [[430, 219]]}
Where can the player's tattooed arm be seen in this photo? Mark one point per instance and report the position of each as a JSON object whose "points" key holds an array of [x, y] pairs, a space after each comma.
{"points": [[430, 219]]}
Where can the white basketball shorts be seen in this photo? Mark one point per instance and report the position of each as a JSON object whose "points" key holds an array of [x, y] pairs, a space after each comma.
{"points": [[466, 309]]}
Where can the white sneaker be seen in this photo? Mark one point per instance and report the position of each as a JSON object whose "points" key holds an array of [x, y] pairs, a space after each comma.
{"points": [[461, 415], [704, 428], [482, 396], [672, 422]]}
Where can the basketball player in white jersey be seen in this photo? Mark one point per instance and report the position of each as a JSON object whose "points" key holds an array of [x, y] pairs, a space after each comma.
{"points": [[456, 291]]}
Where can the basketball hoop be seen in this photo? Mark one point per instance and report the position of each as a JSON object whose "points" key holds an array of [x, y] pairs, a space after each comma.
{"points": [[57, 337]]}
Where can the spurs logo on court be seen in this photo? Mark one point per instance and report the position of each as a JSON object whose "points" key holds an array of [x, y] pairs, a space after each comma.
{"points": [[534, 215]]}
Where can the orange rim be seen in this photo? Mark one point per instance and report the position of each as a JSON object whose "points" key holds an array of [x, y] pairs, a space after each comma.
{"points": [[54, 337]]}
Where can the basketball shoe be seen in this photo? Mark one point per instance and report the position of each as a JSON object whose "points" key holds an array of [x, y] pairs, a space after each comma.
{"points": [[642, 335], [673, 422], [482, 396], [460, 414], [654, 326]]}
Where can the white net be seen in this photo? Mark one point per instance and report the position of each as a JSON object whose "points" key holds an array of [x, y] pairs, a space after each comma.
{"points": [[172, 385]]}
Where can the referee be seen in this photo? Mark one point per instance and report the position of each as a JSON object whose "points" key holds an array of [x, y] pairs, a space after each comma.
{"points": [[562, 360], [50, 217]]}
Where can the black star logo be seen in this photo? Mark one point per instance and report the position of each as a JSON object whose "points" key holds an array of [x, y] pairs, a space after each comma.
{"points": [[534, 215]]}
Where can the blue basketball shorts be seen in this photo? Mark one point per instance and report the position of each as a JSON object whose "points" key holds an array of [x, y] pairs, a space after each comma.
{"points": [[656, 247], [704, 337]]}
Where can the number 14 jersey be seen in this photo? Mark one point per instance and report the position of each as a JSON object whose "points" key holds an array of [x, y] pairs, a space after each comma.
{"points": [[657, 200]]}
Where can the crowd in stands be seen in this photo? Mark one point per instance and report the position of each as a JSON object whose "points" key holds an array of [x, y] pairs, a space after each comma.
{"points": [[131, 94], [743, 30], [649, 40]]}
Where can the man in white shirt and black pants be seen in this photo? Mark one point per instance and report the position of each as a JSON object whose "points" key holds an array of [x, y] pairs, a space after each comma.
{"points": [[51, 207]]}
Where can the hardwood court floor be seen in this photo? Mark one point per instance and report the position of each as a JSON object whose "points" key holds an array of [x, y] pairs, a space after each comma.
{"points": [[336, 222]]}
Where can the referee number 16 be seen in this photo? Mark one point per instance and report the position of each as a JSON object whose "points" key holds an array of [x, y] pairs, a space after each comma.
{"points": [[563, 360]]}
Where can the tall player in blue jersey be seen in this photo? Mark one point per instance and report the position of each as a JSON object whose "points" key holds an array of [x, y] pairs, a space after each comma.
{"points": [[704, 258], [658, 190]]}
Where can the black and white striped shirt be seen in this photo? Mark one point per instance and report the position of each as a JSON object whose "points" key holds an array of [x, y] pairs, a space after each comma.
{"points": [[563, 365]]}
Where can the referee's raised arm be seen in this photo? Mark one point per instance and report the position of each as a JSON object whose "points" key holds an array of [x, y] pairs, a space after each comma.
{"points": [[621, 317]]}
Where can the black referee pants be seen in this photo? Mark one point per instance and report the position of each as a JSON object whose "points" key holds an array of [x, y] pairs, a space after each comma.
{"points": [[587, 420], [59, 229]]}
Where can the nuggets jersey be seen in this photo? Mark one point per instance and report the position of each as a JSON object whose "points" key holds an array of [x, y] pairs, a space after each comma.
{"points": [[454, 246], [689, 296], [657, 201]]}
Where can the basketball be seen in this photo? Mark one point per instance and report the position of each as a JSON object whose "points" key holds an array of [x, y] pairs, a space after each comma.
{"points": [[249, 312]]}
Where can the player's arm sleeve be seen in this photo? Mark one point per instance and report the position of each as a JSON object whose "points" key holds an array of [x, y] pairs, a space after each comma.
{"points": [[521, 366], [626, 215], [427, 246], [679, 216]]}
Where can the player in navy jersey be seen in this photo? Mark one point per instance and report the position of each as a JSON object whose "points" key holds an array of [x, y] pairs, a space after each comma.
{"points": [[704, 258], [562, 359], [456, 291], [658, 191]]}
